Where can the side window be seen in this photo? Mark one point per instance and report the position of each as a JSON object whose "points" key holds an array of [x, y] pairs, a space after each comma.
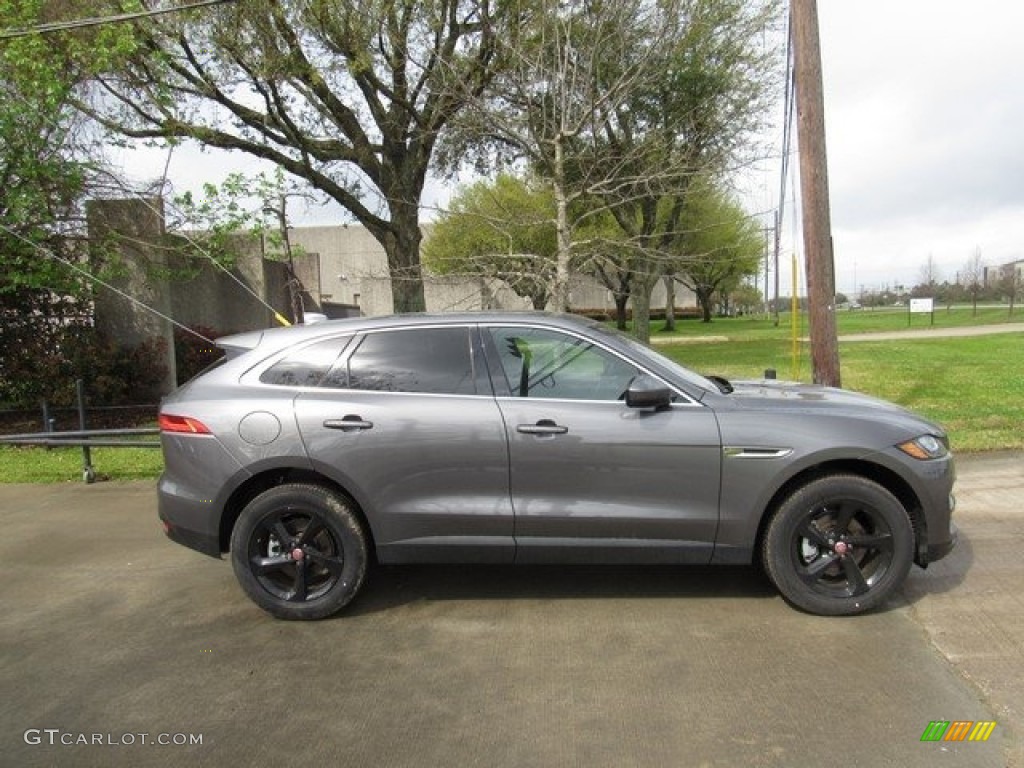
{"points": [[305, 367], [536, 362], [424, 360]]}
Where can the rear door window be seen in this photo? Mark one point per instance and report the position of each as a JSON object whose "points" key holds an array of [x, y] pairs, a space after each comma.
{"points": [[417, 360]]}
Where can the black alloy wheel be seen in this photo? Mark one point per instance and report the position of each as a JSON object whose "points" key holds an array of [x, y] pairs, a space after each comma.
{"points": [[839, 545], [299, 551]]}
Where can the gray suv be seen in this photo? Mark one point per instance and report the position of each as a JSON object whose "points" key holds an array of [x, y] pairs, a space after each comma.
{"points": [[309, 452]]}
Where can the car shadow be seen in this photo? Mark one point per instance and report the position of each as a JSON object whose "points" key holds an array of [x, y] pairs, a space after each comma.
{"points": [[942, 576], [391, 586]]}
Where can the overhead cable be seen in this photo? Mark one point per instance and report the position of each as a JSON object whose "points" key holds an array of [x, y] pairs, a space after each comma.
{"points": [[97, 21]]}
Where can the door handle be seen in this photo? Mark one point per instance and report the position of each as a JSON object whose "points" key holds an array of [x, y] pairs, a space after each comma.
{"points": [[350, 423], [542, 427]]}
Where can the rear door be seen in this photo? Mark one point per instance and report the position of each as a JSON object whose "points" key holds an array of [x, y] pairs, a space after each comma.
{"points": [[591, 479], [406, 420]]}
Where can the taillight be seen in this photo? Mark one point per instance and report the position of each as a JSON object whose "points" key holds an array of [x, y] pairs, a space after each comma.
{"points": [[171, 423]]}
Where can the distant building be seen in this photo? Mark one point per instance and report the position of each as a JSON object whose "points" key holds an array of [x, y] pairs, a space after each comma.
{"points": [[995, 275]]}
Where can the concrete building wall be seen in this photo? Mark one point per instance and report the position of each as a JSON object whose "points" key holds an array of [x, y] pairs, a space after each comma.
{"points": [[236, 300], [354, 270], [126, 238]]}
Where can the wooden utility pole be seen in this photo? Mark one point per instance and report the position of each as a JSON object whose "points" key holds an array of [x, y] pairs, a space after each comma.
{"points": [[810, 102]]}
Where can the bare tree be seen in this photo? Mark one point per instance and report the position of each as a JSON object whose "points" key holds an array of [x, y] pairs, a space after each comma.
{"points": [[1011, 282], [930, 274], [972, 277], [568, 65]]}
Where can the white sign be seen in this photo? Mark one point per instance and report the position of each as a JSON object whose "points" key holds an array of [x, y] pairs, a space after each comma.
{"points": [[925, 306]]}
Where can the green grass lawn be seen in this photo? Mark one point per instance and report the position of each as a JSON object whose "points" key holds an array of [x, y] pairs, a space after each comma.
{"points": [[847, 322], [39, 465], [973, 386]]}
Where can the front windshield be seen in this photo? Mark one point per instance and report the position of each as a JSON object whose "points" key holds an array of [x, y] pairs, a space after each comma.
{"points": [[655, 359]]}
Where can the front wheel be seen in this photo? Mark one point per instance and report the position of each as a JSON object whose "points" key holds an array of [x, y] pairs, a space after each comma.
{"points": [[299, 551], [839, 545]]}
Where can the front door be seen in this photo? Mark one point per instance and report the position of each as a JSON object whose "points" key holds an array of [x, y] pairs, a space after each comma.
{"points": [[593, 480]]}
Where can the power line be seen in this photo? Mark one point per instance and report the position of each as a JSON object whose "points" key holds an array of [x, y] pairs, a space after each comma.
{"points": [[62, 26]]}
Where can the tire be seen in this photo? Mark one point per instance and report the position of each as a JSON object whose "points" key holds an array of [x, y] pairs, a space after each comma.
{"points": [[299, 551], [838, 546]]}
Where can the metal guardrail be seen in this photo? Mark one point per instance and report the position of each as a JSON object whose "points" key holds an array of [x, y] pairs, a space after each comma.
{"points": [[82, 437], [103, 438]]}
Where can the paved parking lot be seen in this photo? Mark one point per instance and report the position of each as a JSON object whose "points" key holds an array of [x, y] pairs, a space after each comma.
{"points": [[110, 633]]}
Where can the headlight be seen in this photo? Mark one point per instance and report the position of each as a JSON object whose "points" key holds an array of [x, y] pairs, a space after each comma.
{"points": [[924, 447]]}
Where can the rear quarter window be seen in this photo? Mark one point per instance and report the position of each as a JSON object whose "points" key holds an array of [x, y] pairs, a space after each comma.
{"points": [[307, 366]]}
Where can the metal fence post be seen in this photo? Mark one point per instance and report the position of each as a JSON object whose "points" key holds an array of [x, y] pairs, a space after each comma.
{"points": [[48, 421], [88, 473]]}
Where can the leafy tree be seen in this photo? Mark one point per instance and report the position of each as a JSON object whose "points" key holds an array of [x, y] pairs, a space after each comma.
{"points": [[502, 230], [721, 247], [50, 161], [40, 179], [617, 106], [42, 301], [709, 84], [506, 229], [746, 298], [350, 97]]}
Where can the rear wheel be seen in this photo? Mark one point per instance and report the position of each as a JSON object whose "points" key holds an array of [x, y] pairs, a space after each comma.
{"points": [[839, 545], [299, 551]]}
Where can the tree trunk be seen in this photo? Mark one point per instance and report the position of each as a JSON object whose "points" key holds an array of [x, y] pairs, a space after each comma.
{"points": [[642, 288], [560, 293], [402, 246], [704, 299], [670, 302], [621, 300]]}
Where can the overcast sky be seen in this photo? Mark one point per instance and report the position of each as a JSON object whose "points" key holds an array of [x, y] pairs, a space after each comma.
{"points": [[924, 104]]}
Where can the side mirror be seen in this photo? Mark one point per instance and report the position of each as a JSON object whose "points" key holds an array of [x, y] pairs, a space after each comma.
{"points": [[647, 392]]}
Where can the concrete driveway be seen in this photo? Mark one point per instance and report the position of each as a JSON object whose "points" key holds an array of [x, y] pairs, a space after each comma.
{"points": [[114, 639]]}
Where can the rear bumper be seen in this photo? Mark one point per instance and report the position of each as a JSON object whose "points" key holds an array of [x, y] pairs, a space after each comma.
{"points": [[186, 520], [201, 542]]}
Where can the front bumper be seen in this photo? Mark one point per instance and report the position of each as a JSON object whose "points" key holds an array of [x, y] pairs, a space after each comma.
{"points": [[939, 550]]}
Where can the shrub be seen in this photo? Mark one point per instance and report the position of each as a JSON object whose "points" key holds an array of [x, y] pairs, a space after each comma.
{"points": [[191, 353], [41, 359]]}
